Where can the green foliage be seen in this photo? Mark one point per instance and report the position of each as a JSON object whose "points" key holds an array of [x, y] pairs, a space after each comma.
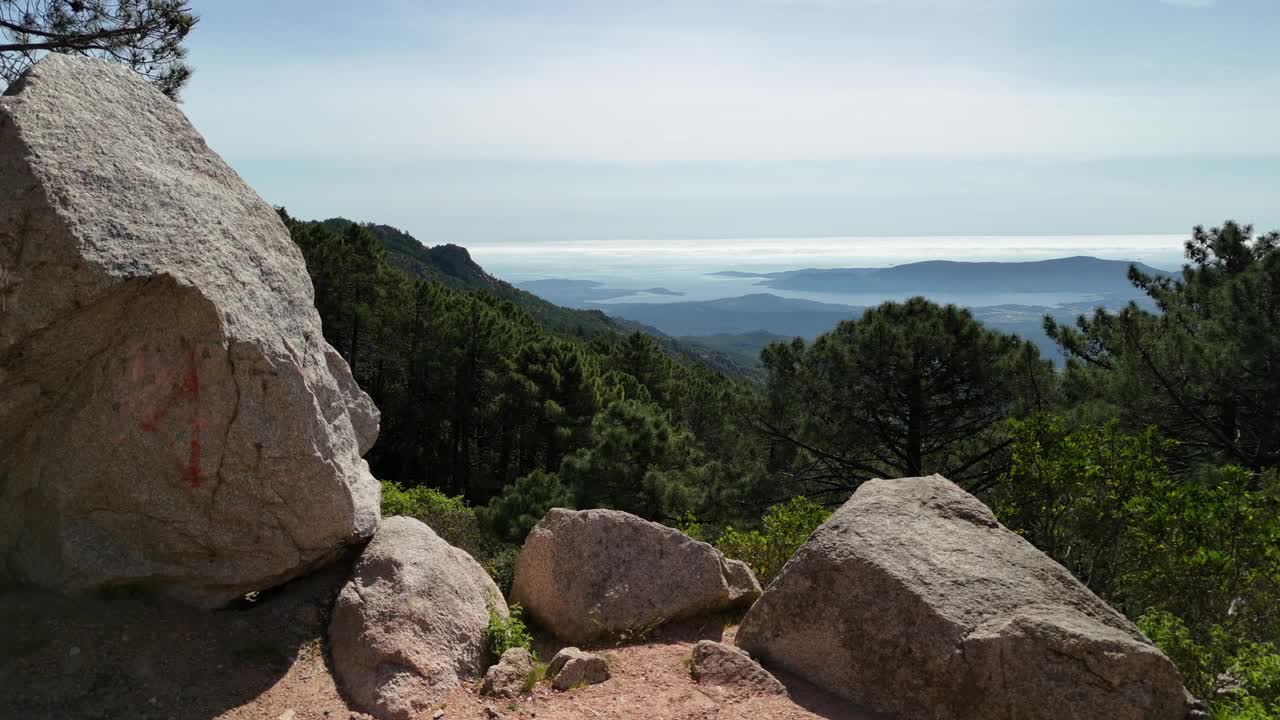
{"points": [[504, 633], [691, 526], [502, 567], [1242, 677], [1069, 493], [1202, 367], [522, 504], [1206, 546], [907, 389], [535, 676], [638, 461], [1194, 554], [147, 36], [1202, 664], [786, 526], [449, 517]]}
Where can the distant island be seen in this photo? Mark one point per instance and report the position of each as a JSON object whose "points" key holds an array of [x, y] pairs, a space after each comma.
{"points": [[1081, 274], [570, 292]]}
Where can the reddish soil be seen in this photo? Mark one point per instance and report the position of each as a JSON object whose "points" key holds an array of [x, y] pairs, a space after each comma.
{"points": [[132, 657]]}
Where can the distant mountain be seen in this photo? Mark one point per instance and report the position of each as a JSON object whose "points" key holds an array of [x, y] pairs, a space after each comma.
{"points": [[741, 326], [1080, 274], [787, 317], [576, 293]]}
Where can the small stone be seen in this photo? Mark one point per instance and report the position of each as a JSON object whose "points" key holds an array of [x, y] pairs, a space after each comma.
{"points": [[718, 664], [287, 714], [437, 715], [507, 678], [491, 713], [74, 651], [572, 667]]}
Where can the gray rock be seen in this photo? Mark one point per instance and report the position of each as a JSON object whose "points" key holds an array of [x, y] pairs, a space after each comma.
{"points": [[590, 574], [715, 663], [572, 667], [170, 414], [409, 625], [508, 677], [912, 600]]}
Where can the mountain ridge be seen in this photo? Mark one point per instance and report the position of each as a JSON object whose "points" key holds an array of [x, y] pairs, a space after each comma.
{"points": [[453, 265]]}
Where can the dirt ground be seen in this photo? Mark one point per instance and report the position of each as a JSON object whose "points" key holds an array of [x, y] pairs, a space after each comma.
{"points": [[129, 657]]}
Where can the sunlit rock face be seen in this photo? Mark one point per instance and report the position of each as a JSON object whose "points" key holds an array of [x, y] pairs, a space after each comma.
{"points": [[170, 414], [913, 600]]}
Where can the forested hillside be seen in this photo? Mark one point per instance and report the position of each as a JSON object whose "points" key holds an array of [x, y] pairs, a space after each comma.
{"points": [[1147, 467], [452, 265], [481, 385]]}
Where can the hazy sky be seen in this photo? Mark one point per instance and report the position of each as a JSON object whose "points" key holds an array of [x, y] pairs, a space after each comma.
{"points": [[582, 119]]}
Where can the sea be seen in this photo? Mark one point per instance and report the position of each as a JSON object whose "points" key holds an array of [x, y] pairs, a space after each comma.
{"points": [[687, 267]]}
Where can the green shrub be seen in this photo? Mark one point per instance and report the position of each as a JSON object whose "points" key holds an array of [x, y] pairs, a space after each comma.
{"points": [[449, 517], [1192, 553], [504, 633], [535, 676], [691, 526], [512, 514], [502, 567], [786, 526], [1256, 694], [1240, 679]]}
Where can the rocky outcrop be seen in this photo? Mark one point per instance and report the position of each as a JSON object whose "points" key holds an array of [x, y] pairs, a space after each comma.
{"points": [[911, 599], [170, 414], [572, 668], [508, 678], [409, 626], [589, 574], [715, 663]]}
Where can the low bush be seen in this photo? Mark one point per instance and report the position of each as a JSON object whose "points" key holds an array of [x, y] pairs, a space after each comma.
{"points": [[1241, 679], [504, 633], [502, 567], [785, 528], [449, 516]]}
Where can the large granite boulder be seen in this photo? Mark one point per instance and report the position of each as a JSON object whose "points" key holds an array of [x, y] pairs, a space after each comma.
{"points": [[912, 600], [589, 574], [409, 626], [170, 414]]}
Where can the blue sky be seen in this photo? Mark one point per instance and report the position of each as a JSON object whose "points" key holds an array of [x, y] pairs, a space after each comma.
{"points": [[591, 119]]}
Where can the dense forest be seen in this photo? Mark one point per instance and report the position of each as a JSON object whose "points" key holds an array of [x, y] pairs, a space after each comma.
{"points": [[1148, 466]]}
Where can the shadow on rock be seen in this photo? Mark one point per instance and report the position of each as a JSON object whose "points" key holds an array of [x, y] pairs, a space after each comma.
{"points": [[687, 631], [820, 702]]}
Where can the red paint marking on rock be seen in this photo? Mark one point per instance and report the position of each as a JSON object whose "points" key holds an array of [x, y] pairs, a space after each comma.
{"points": [[191, 386]]}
